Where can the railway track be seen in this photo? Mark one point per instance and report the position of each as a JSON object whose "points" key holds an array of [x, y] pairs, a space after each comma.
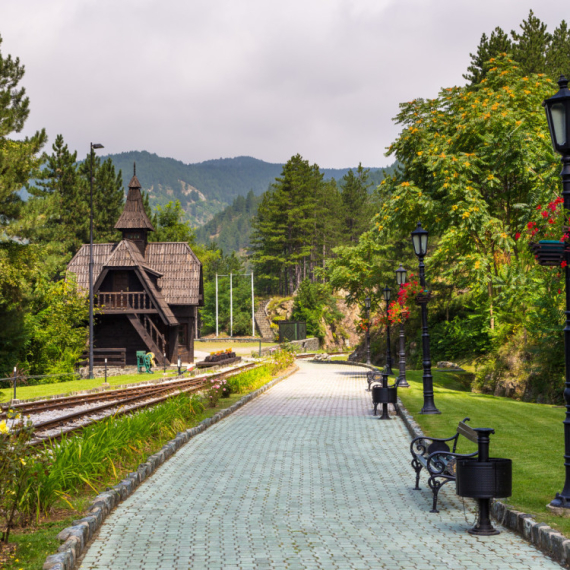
{"points": [[111, 402], [122, 401]]}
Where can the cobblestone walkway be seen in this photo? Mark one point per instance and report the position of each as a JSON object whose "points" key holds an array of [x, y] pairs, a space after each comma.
{"points": [[303, 477]]}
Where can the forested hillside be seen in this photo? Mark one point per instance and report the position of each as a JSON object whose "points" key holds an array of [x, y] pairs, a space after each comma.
{"points": [[231, 228], [205, 188]]}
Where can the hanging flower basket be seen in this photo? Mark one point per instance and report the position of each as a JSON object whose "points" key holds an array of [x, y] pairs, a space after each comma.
{"points": [[423, 297], [548, 253]]}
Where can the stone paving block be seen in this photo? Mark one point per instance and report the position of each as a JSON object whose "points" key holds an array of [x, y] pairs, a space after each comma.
{"points": [[303, 477]]}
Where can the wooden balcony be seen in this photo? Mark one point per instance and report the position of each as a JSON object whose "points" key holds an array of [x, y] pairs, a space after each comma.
{"points": [[124, 302]]}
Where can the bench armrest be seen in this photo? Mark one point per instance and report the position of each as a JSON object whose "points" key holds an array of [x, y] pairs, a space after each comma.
{"points": [[436, 466], [420, 444]]}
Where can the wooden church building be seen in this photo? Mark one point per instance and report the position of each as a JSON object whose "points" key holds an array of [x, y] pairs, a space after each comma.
{"points": [[146, 295]]}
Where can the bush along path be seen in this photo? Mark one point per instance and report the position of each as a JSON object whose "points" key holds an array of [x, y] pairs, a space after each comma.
{"points": [[62, 479], [306, 478]]}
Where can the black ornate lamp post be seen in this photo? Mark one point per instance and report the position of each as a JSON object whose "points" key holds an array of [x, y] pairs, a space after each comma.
{"points": [[402, 382], [420, 240], [367, 305], [558, 115], [93, 147], [386, 294]]}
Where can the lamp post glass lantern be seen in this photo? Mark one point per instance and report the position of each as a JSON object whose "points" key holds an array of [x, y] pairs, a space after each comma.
{"points": [[557, 110], [401, 274], [386, 293], [367, 305], [420, 241], [94, 146]]}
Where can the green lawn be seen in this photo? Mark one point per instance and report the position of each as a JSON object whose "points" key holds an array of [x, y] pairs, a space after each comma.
{"points": [[531, 435]]}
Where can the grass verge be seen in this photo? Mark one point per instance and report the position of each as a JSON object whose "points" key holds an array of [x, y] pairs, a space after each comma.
{"points": [[88, 463], [532, 435]]}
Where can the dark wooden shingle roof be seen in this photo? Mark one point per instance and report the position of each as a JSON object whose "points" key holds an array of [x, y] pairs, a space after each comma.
{"points": [[134, 217], [176, 265]]}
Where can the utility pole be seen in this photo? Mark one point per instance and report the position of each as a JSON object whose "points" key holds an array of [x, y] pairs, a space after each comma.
{"points": [[231, 308]]}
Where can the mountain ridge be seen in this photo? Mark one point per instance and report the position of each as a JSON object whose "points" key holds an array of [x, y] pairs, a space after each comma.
{"points": [[204, 188]]}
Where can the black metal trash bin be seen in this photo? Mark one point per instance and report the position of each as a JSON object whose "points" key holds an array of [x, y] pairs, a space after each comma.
{"points": [[484, 479], [384, 394]]}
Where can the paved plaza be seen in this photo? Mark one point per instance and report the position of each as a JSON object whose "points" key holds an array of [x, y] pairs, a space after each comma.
{"points": [[303, 477]]}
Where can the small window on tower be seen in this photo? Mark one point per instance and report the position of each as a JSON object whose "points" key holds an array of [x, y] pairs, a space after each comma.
{"points": [[134, 235]]}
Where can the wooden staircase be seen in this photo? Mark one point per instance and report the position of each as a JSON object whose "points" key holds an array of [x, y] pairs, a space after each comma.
{"points": [[152, 337]]}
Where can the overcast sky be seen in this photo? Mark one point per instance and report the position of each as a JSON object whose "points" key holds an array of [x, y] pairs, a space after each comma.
{"points": [[202, 79]]}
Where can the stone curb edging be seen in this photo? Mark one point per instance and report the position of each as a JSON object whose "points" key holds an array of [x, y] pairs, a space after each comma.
{"points": [[545, 538], [75, 538]]}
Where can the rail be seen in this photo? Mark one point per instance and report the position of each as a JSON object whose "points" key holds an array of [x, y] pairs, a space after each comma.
{"points": [[157, 337], [127, 301]]}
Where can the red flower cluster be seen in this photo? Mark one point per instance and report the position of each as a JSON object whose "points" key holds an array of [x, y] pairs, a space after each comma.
{"points": [[550, 215], [399, 311]]}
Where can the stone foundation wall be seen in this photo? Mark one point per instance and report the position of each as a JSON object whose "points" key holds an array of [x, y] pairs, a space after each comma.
{"points": [[99, 371]]}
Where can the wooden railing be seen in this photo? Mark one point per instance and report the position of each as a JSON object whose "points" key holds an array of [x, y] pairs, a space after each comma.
{"points": [[155, 334], [124, 301], [114, 356]]}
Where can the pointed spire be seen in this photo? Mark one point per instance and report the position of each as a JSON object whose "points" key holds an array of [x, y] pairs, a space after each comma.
{"points": [[134, 217]]}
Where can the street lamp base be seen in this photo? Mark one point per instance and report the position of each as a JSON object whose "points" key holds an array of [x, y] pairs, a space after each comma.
{"points": [[403, 383], [430, 410], [559, 502]]}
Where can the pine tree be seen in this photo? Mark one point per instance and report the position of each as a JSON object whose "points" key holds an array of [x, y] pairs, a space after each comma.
{"points": [[283, 237], [487, 49], [356, 203], [531, 46], [108, 198], [18, 158], [55, 214], [558, 55]]}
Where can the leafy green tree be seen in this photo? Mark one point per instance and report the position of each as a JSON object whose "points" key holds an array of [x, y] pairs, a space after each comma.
{"points": [[316, 305], [56, 328], [18, 158], [475, 161], [171, 224]]}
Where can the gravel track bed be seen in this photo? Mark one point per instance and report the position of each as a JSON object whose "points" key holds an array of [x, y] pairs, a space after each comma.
{"points": [[85, 420]]}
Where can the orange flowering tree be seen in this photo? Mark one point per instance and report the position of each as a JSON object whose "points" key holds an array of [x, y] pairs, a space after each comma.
{"points": [[475, 162]]}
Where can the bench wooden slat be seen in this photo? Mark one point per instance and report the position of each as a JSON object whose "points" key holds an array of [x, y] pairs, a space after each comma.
{"points": [[467, 432]]}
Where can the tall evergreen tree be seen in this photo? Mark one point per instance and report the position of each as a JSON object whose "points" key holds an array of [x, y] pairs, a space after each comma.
{"points": [[356, 203], [283, 235], [18, 158], [488, 48], [108, 198], [531, 45], [55, 213], [558, 55]]}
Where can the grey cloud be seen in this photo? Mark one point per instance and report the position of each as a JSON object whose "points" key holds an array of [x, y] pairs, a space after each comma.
{"points": [[203, 79]]}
